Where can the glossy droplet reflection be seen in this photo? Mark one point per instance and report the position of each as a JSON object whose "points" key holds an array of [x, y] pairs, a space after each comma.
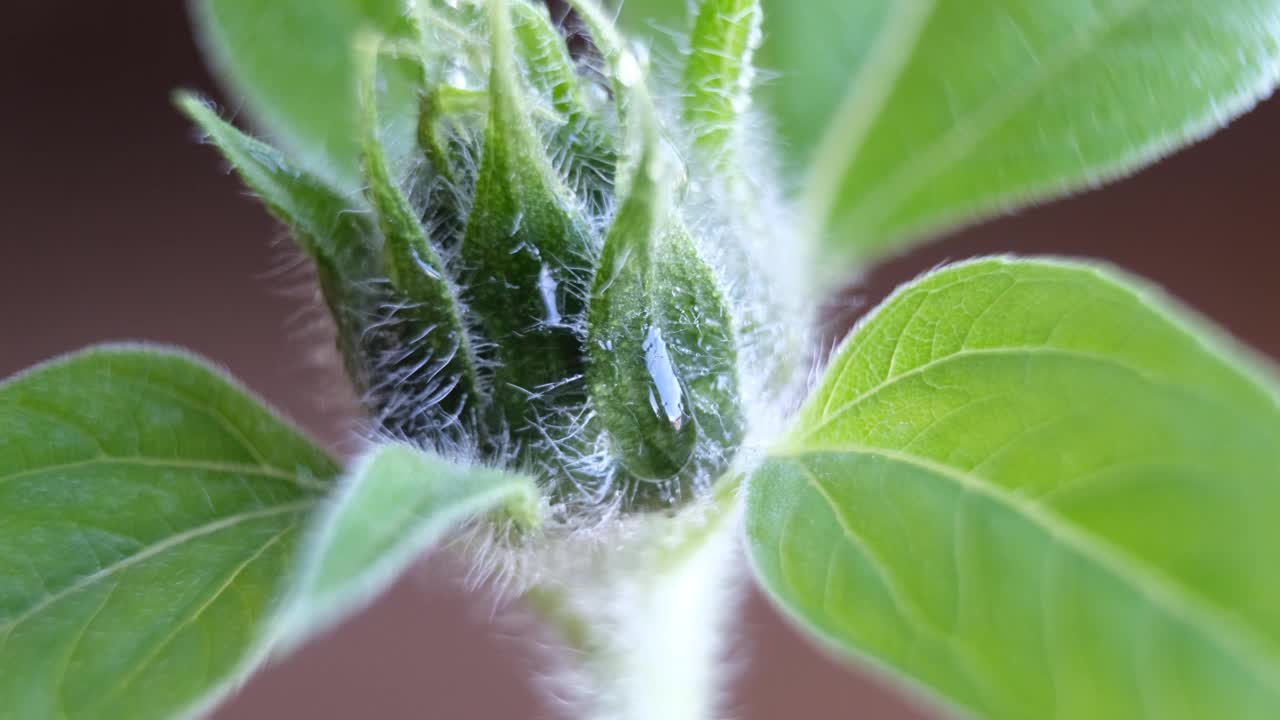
{"points": [[550, 291], [666, 399], [666, 433]]}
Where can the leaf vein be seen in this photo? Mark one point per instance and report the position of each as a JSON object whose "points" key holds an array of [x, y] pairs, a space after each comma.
{"points": [[149, 552]]}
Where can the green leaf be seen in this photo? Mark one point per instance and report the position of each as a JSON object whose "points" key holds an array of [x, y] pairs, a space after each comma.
{"points": [[965, 109], [151, 512], [1038, 489], [395, 504], [916, 115], [292, 62], [718, 72]]}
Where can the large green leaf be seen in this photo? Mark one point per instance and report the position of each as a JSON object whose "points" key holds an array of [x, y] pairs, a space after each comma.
{"points": [[293, 63], [1039, 489], [149, 511], [919, 114], [397, 503]]}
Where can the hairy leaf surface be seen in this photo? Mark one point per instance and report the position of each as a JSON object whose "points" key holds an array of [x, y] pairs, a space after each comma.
{"points": [[915, 115], [151, 510], [293, 62], [396, 503], [1038, 489]]}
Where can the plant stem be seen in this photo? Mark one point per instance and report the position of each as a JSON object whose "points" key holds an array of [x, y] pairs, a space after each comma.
{"points": [[646, 642]]}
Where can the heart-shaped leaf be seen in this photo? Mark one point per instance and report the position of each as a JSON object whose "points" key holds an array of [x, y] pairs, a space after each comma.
{"points": [[150, 512], [397, 503], [1039, 489]]}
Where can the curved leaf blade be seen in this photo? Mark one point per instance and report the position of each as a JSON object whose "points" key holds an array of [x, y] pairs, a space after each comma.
{"points": [[293, 63], [1037, 488], [975, 108], [913, 116], [396, 503], [151, 509]]}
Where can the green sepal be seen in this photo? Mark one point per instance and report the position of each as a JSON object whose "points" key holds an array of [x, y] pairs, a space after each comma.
{"points": [[585, 152], [326, 224], [718, 72], [661, 342], [333, 229], [430, 310], [523, 251], [446, 113]]}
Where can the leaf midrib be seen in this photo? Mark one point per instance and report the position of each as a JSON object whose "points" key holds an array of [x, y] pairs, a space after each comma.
{"points": [[863, 103], [151, 551], [826, 417], [952, 145], [171, 463], [1213, 625]]}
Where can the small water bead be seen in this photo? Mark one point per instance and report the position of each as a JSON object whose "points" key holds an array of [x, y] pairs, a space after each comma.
{"points": [[427, 268], [458, 77], [666, 398], [550, 291], [660, 442], [630, 71]]}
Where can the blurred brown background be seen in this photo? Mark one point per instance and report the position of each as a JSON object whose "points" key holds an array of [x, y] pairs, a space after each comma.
{"points": [[115, 224]]}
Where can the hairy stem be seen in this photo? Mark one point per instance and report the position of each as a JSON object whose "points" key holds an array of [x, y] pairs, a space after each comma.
{"points": [[646, 641]]}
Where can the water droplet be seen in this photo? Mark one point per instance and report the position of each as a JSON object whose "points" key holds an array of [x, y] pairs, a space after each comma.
{"points": [[666, 397], [457, 77], [425, 266], [598, 93], [630, 73], [549, 289]]}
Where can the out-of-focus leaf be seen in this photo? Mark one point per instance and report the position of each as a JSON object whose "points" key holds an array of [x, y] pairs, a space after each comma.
{"points": [[292, 62], [397, 503], [916, 115]]}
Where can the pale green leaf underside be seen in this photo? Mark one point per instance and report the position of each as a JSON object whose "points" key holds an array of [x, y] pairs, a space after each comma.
{"points": [[966, 107], [150, 512], [396, 504], [292, 62], [916, 115], [1038, 489]]}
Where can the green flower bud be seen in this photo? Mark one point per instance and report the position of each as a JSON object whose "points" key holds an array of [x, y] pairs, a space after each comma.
{"points": [[544, 266]]}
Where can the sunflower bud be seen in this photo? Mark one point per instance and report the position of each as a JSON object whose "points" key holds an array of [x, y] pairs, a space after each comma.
{"points": [[551, 270]]}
